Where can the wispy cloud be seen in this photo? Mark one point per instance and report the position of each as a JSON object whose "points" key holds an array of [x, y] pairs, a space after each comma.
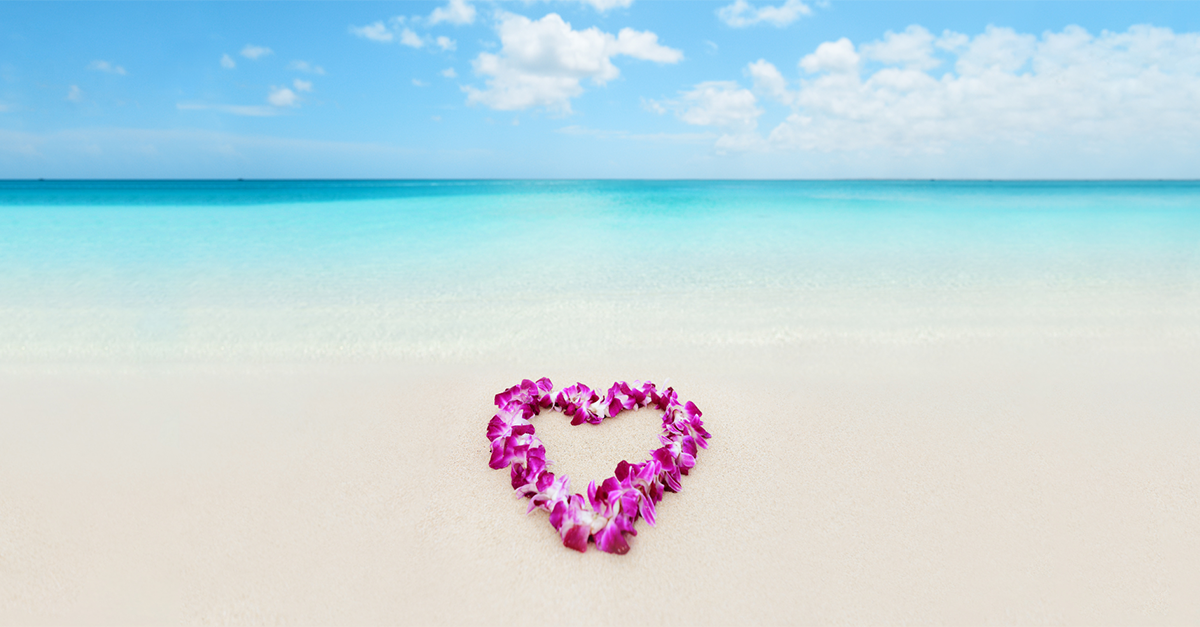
{"points": [[305, 66], [227, 62], [376, 31], [258, 111], [283, 97], [458, 12], [105, 66], [741, 14], [449, 73], [411, 39], [606, 5], [302, 85], [679, 138], [256, 52], [75, 94]]}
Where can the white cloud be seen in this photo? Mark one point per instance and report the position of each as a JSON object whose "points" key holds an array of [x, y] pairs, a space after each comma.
{"points": [[411, 39], [254, 52], [244, 110], [832, 56], [1000, 49], [376, 31], [75, 94], [605, 5], [679, 138], [227, 62], [301, 85], [305, 66], [769, 82], [720, 103], [283, 97], [541, 63], [912, 48], [449, 73], [105, 66], [741, 14], [419, 83], [458, 12], [1066, 93], [445, 43]]}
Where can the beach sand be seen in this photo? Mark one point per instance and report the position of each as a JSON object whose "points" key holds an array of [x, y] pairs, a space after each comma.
{"points": [[849, 480]]}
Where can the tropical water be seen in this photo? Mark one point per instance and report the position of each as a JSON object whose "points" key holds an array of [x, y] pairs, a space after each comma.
{"points": [[298, 270]]}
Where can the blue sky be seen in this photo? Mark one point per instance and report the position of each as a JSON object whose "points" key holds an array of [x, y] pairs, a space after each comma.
{"points": [[601, 88]]}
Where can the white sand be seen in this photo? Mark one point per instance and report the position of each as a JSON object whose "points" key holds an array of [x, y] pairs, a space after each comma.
{"points": [[940, 481]]}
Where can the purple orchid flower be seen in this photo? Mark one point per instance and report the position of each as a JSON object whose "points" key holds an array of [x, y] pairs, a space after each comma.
{"points": [[621, 397], [576, 401], [551, 491], [532, 396], [573, 520], [682, 450], [669, 473], [643, 477], [616, 510], [525, 476]]}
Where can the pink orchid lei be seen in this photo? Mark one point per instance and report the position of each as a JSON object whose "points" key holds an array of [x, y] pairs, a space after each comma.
{"points": [[610, 510]]}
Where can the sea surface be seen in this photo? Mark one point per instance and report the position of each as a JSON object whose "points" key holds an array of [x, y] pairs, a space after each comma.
{"points": [[174, 271]]}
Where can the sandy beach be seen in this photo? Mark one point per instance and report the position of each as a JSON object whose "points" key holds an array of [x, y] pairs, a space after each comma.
{"points": [[930, 420], [937, 482]]}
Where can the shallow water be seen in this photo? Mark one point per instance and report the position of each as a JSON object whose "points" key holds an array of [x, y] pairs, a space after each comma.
{"points": [[179, 270]]}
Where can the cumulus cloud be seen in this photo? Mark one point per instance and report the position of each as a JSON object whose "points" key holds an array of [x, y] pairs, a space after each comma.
{"points": [[227, 62], [769, 81], [741, 14], [376, 31], [912, 49], [724, 105], [445, 43], [1067, 94], [283, 97], [302, 85], [542, 63], [105, 66], [832, 56], [458, 12], [720, 103], [256, 52], [449, 73]]}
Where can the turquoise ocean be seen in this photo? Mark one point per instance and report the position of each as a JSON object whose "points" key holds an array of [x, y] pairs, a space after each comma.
{"points": [[365, 270]]}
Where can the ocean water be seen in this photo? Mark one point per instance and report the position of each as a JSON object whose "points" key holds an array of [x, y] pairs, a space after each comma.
{"points": [[299, 270]]}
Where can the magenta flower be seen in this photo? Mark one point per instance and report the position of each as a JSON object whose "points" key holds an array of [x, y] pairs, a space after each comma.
{"points": [[573, 520], [531, 396], [551, 491], [621, 397], [576, 402]]}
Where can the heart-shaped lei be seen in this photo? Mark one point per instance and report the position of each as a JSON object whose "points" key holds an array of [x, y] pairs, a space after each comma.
{"points": [[610, 510]]}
